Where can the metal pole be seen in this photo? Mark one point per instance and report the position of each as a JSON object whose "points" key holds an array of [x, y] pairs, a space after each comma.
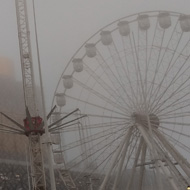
{"points": [[47, 134]]}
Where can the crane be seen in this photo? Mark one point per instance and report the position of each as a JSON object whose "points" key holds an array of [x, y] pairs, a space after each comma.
{"points": [[34, 126]]}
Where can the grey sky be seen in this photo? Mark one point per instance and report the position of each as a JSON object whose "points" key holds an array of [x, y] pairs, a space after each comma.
{"points": [[63, 25]]}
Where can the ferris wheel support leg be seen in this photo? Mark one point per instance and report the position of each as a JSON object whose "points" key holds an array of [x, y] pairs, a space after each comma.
{"points": [[134, 165], [178, 157], [164, 169], [177, 175], [118, 152], [121, 163], [142, 168], [151, 146]]}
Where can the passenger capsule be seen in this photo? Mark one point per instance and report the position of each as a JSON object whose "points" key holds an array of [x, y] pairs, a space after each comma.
{"points": [[58, 158], [60, 99], [90, 50], [184, 23], [67, 81], [77, 65], [106, 38], [164, 20], [123, 27], [56, 139], [143, 22]]}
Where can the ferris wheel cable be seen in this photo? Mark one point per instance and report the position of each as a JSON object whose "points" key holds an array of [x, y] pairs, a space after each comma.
{"points": [[150, 91], [116, 56], [113, 78], [177, 132], [107, 159], [95, 135], [173, 111], [127, 68], [74, 128], [176, 102], [178, 143], [103, 84], [101, 96], [90, 139], [100, 107], [105, 147], [176, 115], [95, 159], [139, 72], [176, 91], [156, 91], [142, 58], [174, 79]]}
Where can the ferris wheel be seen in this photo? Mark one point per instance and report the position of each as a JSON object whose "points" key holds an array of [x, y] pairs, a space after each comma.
{"points": [[131, 83]]}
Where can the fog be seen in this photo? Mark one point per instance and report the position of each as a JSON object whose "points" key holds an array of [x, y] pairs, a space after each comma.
{"points": [[63, 26]]}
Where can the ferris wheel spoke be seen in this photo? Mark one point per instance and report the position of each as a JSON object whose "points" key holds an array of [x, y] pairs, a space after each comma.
{"points": [[101, 150], [122, 71], [93, 137], [182, 59], [154, 57], [128, 59], [142, 58], [140, 85], [177, 142], [175, 92], [184, 114], [114, 93], [174, 131], [179, 101], [174, 114], [100, 107], [136, 71], [115, 80], [168, 54], [101, 96]]}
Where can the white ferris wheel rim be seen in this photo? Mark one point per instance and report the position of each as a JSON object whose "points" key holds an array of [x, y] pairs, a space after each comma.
{"points": [[116, 96]]}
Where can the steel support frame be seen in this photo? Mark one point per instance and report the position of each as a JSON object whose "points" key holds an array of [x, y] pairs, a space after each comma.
{"points": [[26, 55], [36, 159]]}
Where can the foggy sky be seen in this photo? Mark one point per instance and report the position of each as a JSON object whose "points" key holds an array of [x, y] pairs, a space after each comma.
{"points": [[64, 25]]}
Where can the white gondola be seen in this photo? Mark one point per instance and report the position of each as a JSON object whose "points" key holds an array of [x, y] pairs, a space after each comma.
{"points": [[124, 28], [164, 20], [77, 65], [184, 23], [67, 81], [56, 139], [60, 99], [58, 158], [106, 38], [90, 50], [143, 22]]}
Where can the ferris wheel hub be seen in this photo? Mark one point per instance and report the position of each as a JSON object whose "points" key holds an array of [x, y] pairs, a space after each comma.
{"points": [[144, 119]]}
